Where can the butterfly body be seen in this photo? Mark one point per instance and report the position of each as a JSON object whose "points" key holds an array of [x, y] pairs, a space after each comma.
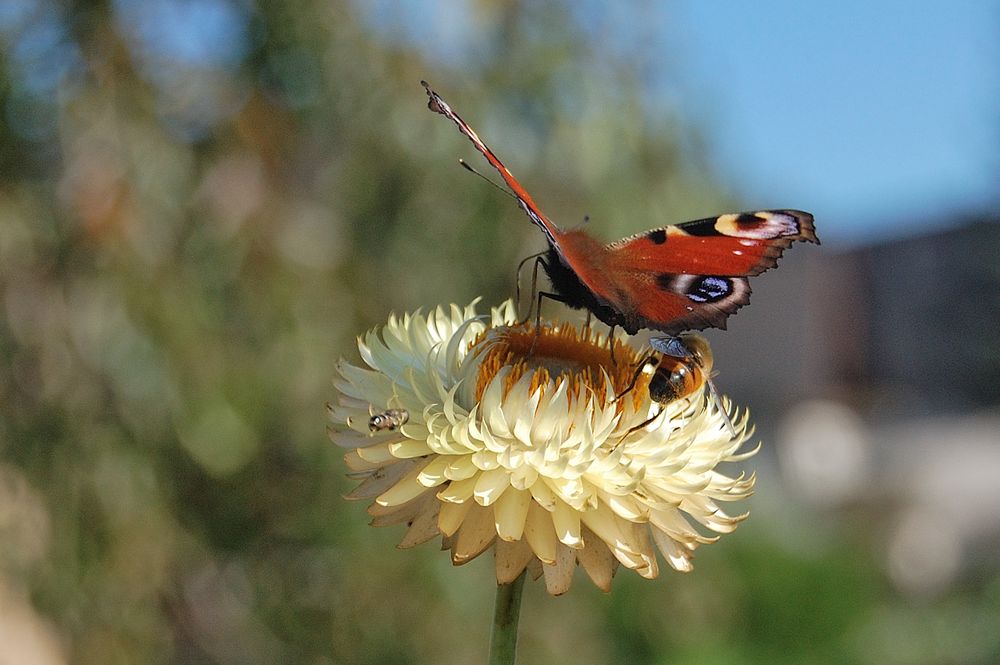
{"points": [[574, 293], [687, 276]]}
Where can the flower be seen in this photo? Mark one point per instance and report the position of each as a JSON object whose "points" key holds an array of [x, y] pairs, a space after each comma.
{"points": [[497, 435]]}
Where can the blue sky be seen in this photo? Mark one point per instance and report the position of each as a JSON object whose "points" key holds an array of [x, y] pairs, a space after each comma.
{"points": [[883, 118]]}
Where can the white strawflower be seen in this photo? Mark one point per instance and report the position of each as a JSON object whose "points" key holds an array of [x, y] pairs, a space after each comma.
{"points": [[495, 435]]}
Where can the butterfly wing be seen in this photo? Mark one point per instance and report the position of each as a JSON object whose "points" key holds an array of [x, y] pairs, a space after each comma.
{"points": [[693, 275]]}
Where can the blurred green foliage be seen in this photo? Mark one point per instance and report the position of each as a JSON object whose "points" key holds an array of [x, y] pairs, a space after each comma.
{"points": [[202, 202]]}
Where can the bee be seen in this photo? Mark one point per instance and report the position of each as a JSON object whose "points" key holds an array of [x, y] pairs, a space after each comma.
{"points": [[388, 420], [680, 368]]}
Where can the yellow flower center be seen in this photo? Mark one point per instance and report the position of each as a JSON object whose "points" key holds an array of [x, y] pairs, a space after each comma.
{"points": [[554, 354]]}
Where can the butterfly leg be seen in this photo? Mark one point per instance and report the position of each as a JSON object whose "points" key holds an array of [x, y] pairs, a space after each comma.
{"points": [[611, 343], [538, 314], [534, 281]]}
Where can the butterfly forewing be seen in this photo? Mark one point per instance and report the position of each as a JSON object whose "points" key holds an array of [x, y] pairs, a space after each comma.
{"points": [[737, 245]]}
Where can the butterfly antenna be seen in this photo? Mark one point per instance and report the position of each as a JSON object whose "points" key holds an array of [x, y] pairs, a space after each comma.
{"points": [[469, 168]]}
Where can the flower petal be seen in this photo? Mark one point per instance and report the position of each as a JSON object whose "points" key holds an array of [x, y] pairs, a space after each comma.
{"points": [[476, 534], [434, 473], [677, 556], [451, 515], [566, 521], [491, 485], [596, 560], [510, 513], [409, 448], [540, 533], [409, 487], [389, 515], [511, 559], [458, 491], [559, 574], [425, 525], [384, 478]]}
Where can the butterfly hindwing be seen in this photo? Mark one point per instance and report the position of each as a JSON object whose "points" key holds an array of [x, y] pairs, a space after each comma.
{"points": [[673, 303]]}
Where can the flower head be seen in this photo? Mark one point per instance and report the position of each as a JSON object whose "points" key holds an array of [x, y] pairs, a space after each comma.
{"points": [[498, 435]]}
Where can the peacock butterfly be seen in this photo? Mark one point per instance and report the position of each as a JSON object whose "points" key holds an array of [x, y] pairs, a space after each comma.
{"points": [[687, 276]]}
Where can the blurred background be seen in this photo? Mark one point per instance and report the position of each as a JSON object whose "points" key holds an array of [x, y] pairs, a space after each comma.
{"points": [[202, 202]]}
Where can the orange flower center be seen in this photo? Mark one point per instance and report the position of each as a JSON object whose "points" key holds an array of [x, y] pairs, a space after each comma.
{"points": [[557, 353]]}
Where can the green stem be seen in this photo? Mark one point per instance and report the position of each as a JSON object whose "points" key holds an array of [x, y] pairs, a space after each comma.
{"points": [[503, 641]]}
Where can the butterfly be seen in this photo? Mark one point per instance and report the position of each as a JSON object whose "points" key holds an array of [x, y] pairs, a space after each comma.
{"points": [[687, 276]]}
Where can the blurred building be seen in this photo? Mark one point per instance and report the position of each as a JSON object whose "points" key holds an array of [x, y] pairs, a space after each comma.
{"points": [[924, 313], [905, 327], [876, 374]]}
